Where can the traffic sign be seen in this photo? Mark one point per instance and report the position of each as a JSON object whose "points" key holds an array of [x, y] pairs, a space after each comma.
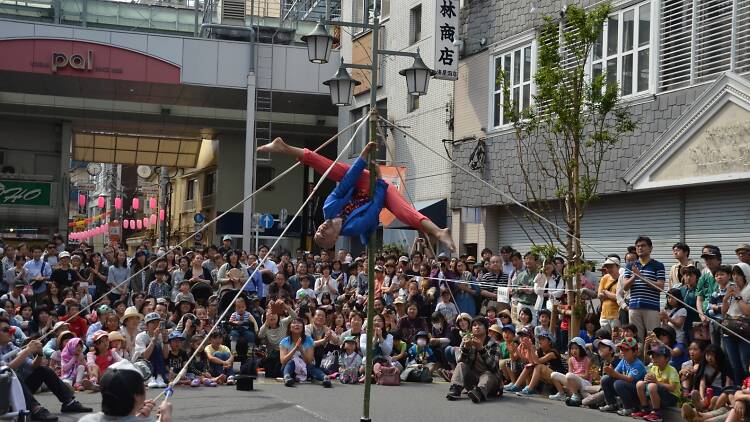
{"points": [[198, 236], [199, 218], [266, 221]]}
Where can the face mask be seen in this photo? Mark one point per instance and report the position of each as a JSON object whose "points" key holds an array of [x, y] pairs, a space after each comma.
{"points": [[421, 342], [437, 326]]}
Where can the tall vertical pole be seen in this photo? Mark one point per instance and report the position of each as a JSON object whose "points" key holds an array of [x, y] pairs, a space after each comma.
{"points": [[371, 246], [163, 193]]}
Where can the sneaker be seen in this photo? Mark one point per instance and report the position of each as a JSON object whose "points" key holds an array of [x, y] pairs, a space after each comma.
{"points": [[639, 414], [89, 385], [160, 382], [209, 383], [526, 392], [231, 380], [476, 395], [454, 393], [574, 401], [511, 388], [625, 412], [558, 397], [152, 383], [327, 383], [43, 414], [608, 408], [654, 416], [288, 381], [195, 383], [75, 407]]}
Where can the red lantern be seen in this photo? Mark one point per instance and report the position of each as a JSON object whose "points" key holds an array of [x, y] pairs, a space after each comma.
{"points": [[124, 224], [139, 224], [162, 215], [81, 200], [118, 203], [100, 202], [153, 219], [136, 203], [152, 203]]}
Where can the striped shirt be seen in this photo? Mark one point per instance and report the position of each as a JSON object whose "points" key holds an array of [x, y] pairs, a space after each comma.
{"points": [[500, 280], [642, 294]]}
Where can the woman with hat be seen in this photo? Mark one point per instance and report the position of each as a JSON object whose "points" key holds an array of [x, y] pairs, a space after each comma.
{"points": [[151, 345], [131, 321], [101, 357]]}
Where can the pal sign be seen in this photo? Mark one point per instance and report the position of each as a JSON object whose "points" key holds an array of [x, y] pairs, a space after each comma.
{"points": [[75, 61]]}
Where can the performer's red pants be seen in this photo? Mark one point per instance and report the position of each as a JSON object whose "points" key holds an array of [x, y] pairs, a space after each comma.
{"points": [[394, 201]]}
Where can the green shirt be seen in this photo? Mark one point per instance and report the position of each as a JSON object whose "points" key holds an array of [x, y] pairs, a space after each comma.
{"points": [[504, 353], [705, 288], [526, 279]]}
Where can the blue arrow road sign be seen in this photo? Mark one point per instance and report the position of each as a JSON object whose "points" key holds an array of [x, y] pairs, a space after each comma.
{"points": [[266, 221]]}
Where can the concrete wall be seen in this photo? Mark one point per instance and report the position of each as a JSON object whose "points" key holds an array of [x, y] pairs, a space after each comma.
{"points": [[31, 148]]}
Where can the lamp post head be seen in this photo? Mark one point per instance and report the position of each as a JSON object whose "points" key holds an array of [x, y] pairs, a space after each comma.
{"points": [[319, 43], [417, 76], [341, 86]]}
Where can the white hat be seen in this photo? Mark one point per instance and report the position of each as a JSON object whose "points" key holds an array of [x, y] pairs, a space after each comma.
{"points": [[611, 261], [226, 237], [64, 254]]}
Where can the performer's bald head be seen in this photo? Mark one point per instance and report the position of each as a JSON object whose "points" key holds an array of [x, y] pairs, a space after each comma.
{"points": [[328, 233]]}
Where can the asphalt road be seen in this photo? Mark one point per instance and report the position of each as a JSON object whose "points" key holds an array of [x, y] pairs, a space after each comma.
{"points": [[272, 402]]}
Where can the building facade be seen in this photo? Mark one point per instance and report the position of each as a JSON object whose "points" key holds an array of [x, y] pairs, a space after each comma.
{"points": [[682, 69], [191, 87]]}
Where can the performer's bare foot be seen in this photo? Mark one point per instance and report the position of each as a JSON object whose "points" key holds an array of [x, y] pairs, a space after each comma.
{"points": [[444, 235], [277, 145]]}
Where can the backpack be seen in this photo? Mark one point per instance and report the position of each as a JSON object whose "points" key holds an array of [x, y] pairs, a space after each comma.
{"points": [[416, 373], [330, 363]]}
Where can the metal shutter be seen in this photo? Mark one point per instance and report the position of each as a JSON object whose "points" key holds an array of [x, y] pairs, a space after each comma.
{"points": [[613, 223], [718, 215]]}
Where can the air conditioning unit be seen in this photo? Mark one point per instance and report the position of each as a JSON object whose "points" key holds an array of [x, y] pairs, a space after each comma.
{"points": [[232, 12]]}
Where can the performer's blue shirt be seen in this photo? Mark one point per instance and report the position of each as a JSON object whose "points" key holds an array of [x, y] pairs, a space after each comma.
{"points": [[364, 219]]}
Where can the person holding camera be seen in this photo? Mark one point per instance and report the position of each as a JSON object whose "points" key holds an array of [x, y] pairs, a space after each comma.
{"points": [[477, 368]]}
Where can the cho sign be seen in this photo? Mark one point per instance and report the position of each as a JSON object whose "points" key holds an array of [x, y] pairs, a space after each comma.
{"points": [[20, 192], [446, 31]]}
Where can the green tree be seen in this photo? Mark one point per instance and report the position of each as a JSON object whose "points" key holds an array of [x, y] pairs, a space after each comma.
{"points": [[561, 139]]}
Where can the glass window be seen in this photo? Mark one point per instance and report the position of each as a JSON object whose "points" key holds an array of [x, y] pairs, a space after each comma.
{"points": [[416, 24], [623, 52], [515, 68], [210, 184]]}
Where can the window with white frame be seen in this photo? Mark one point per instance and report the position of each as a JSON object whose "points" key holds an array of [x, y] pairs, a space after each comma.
{"points": [[624, 52], [362, 12], [515, 68]]}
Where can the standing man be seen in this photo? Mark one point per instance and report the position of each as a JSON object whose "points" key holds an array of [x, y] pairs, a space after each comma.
{"points": [[294, 280], [707, 283], [645, 280], [497, 278], [743, 253], [505, 253], [38, 273], [523, 288], [681, 252], [610, 315], [268, 263], [64, 275]]}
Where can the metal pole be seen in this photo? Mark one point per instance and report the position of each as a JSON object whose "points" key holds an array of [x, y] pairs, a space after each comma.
{"points": [[372, 246], [163, 182]]}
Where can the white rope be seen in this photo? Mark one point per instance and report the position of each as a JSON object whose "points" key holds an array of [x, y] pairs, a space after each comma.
{"points": [[322, 179]]}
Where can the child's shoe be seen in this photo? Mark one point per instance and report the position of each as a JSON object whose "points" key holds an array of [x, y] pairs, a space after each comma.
{"points": [[195, 383]]}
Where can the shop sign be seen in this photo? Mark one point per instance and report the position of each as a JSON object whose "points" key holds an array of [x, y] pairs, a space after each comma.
{"points": [[20, 192], [75, 61], [445, 33]]}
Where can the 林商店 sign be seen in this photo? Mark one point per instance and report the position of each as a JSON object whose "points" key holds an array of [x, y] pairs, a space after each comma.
{"points": [[20, 192], [446, 31]]}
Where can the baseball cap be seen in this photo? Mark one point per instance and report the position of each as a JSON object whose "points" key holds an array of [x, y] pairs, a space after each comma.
{"points": [[611, 261], [711, 252], [350, 339], [742, 247], [104, 309], [64, 254], [379, 268], [175, 335], [99, 334], [605, 341], [403, 258], [578, 341], [509, 327], [660, 349], [443, 255], [226, 237], [546, 334], [152, 316]]}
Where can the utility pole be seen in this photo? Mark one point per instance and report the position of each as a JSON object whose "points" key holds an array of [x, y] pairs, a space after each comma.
{"points": [[163, 192]]}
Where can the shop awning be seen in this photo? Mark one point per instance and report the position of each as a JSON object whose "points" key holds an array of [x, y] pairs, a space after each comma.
{"points": [[434, 209], [135, 149]]}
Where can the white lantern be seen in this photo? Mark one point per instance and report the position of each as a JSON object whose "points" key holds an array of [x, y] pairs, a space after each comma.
{"points": [[417, 76], [319, 44], [341, 86]]}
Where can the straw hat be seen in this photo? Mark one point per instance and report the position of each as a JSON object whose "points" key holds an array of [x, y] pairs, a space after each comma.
{"points": [[116, 335], [130, 312], [63, 335]]}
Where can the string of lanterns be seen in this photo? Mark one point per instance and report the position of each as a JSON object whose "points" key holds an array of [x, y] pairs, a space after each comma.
{"points": [[133, 224]]}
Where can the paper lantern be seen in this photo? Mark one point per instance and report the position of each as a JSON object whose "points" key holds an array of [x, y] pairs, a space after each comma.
{"points": [[162, 215], [132, 224], [124, 224], [152, 203], [139, 224], [146, 222], [153, 219], [100, 202], [118, 203], [136, 203], [81, 200]]}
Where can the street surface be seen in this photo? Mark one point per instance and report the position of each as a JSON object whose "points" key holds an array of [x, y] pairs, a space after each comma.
{"points": [[272, 402]]}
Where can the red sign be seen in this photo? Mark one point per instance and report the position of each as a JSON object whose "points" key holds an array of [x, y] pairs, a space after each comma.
{"points": [[85, 60]]}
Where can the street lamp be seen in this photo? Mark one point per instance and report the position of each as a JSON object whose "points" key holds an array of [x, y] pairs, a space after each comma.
{"points": [[341, 86], [319, 44], [417, 76]]}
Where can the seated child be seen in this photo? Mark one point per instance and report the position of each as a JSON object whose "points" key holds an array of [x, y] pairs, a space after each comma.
{"points": [[73, 365], [100, 357], [660, 387], [578, 376], [593, 396], [198, 371], [620, 381], [350, 362], [690, 367], [242, 323], [176, 357], [220, 359], [542, 362]]}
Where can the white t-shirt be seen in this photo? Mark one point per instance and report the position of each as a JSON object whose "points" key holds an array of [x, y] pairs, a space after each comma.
{"points": [[734, 308], [680, 332], [332, 289], [142, 341]]}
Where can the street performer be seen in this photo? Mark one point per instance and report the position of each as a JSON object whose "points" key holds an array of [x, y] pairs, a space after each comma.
{"points": [[350, 209]]}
